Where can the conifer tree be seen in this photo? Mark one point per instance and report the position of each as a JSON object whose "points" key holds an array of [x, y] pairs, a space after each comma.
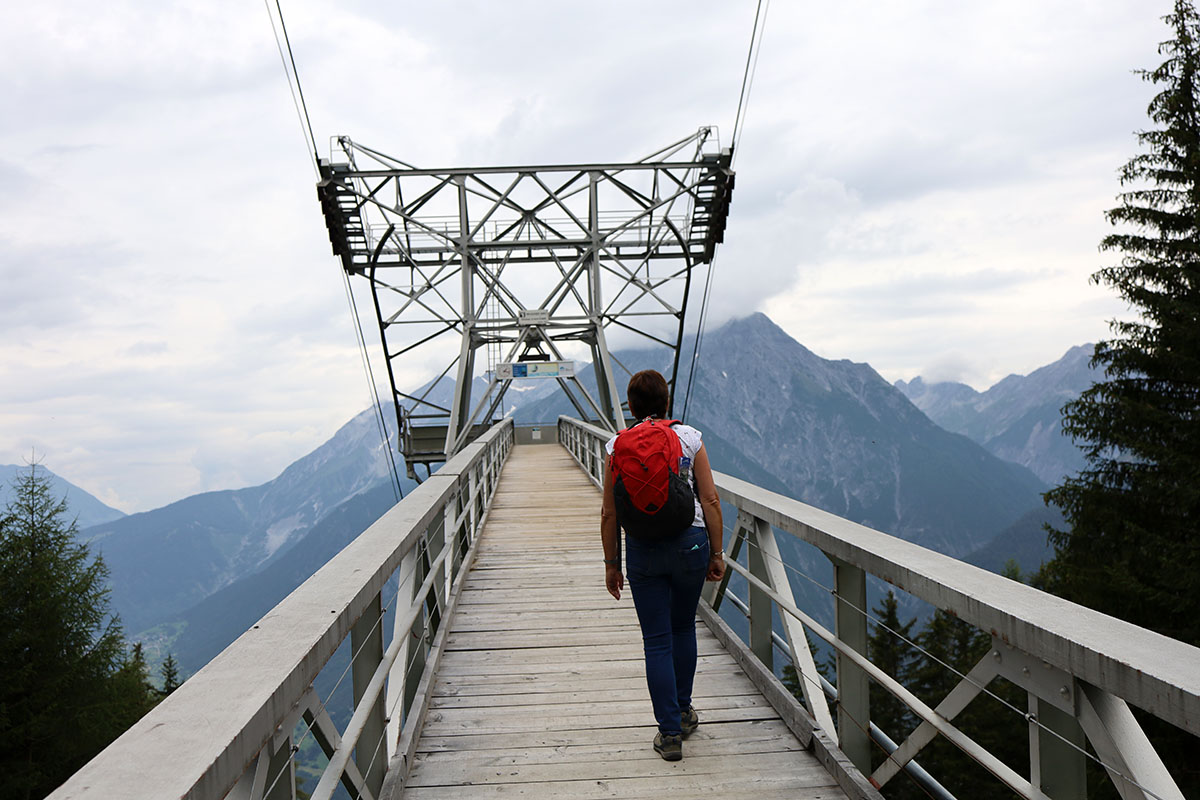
{"points": [[1130, 547], [888, 650], [69, 687], [950, 648], [169, 672]]}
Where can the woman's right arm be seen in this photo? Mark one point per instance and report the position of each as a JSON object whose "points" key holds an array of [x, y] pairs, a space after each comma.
{"points": [[610, 539]]}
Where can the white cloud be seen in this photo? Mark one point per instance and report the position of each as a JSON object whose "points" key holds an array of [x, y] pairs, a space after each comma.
{"points": [[920, 186]]}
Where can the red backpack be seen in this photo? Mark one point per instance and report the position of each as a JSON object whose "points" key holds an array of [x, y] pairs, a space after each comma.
{"points": [[652, 500]]}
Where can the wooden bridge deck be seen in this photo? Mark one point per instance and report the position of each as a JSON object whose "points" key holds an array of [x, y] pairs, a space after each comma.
{"points": [[541, 691]]}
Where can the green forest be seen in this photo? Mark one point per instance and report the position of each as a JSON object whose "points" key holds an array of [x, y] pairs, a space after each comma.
{"points": [[72, 683]]}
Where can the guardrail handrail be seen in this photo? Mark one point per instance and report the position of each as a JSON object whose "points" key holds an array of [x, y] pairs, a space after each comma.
{"points": [[1087, 662], [228, 729]]}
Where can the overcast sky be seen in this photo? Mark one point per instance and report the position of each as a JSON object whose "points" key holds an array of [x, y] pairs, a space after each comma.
{"points": [[921, 186]]}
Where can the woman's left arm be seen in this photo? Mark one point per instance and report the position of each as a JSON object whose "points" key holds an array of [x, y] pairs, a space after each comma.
{"points": [[710, 507]]}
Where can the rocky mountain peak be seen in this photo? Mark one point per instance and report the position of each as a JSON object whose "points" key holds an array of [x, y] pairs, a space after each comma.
{"points": [[1019, 418]]}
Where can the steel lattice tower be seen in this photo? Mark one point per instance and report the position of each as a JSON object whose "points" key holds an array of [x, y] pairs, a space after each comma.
{"points": [[518, 261]]}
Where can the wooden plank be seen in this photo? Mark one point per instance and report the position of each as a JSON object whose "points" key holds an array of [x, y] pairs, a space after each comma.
{"points": [[484, 711], [484, 620], [465, 772], [535, 744], [562, 637], [545, 598], [567, 654], [711, 738], [731, 681], [450, 721], [575, 696], [519, 714], [812, 780], [517, 604], [630, 663]]}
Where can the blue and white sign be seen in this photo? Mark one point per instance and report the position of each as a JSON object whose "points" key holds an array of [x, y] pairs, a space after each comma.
{"points": [[508, 370]]}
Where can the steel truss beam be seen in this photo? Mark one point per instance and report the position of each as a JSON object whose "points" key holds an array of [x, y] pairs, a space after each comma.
{"points": [[457, 258]]}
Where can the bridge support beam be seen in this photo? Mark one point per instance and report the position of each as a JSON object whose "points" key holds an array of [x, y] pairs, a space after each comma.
{"points": [[413, 652], [271, 776], [854, 709], [1057, 765], [760, 603], [766, 564], [1134, 766], [366, 648]]}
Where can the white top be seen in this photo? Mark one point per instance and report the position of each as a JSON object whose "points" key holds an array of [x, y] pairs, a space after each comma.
{"points": [[689, 442]]}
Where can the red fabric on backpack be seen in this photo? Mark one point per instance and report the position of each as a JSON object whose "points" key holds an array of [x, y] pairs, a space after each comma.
{"points": [[652, 500], [642, 458]]}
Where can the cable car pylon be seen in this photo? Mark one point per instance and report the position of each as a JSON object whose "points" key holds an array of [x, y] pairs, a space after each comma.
{"points": [[520, 262]]}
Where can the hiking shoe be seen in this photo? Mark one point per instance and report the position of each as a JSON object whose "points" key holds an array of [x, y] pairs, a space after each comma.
{"points": [[688, 722], [669, 747]]}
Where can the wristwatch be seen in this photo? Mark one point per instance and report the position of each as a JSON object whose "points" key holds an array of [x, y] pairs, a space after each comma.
{"points": [[720, 555]]}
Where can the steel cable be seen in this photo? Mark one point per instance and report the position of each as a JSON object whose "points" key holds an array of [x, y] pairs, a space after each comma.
{"points": [[373, 395], [322, 705], [756, 34], [297, 91]]}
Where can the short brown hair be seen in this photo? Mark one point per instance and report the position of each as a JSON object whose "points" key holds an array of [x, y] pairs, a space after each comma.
{"points": [[648, 394]]}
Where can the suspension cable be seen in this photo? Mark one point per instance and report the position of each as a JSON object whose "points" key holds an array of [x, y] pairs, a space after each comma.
{"points": [[752, 54], [700, 323], [751, 67], [373, 394], [302, 106], [293, 78]]}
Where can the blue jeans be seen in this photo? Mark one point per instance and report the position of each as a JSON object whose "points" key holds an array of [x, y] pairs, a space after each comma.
{"points": [[666, 578]]}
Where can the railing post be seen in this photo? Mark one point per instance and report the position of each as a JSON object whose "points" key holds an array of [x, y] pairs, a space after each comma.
{"points": [[272, 776], [854, 712], [760, 602], [1121, 744], [775, 575], [437, 540], [456, 532], [474, 500], [397, 692], [366, 648], [414, 650], [1057, 767], [283, 771], [714, 593]]}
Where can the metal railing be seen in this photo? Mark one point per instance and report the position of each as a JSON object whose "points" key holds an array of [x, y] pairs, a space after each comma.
{"points": [[234, 728], [1080, 669]]}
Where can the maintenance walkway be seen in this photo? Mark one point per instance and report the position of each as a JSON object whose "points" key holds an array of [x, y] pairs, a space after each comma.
{"points": [[541, 690]]}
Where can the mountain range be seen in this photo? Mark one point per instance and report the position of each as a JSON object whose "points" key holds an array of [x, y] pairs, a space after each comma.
{"points": [[193, 575], [835, 435], [1020, 418], [164, 561], [85, 509]]}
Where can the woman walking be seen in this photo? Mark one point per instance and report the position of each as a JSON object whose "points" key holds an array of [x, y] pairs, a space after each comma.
{"points": [[666, 572]]}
